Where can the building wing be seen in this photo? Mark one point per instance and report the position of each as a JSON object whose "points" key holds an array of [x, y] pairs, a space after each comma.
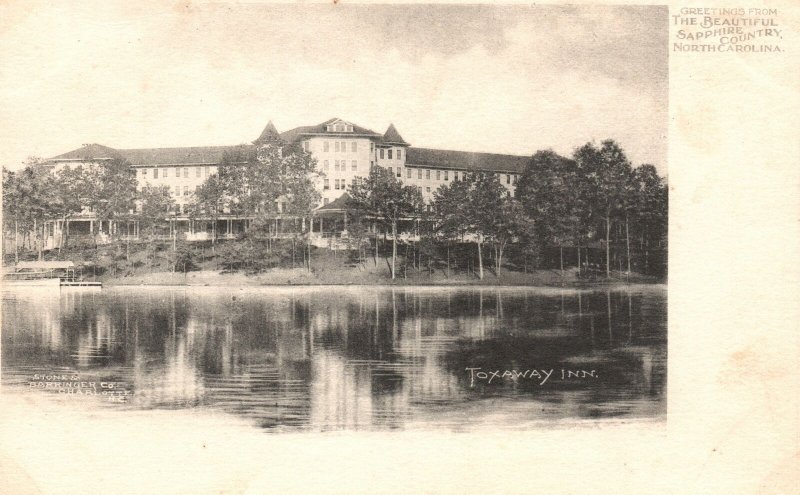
{"points": [[465, 160]]}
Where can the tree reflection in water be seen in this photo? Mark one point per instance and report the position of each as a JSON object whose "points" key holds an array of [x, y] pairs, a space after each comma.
{"points": [[352, 357]]}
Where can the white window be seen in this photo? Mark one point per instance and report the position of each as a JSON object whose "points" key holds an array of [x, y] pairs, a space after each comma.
{"points": [[336, 165], [438, 175], [427, 173], [185, 172], [144, 171], [177, 172], [344, 183], [428, 189], [419, 173], [326, 146], [305, 146], [326, 184], [399, 154], [336, 184], [336, 146], [400, 171], [354, 165], [381, 153], [197, 172], [390, 171], [445, 174], [186, 190], [408, 173], [455, 175], [155, 173], [166, 173], [325, 165], [177, 190], [390, 154], [354, 146], [508, 179], [208, 170]]}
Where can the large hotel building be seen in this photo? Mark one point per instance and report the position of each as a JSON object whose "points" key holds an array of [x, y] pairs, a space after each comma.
{"points": [[343, 150]]}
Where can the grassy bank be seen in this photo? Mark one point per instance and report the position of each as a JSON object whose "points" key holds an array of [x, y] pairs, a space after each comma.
{"points": [[330, 269], [199, 264]]}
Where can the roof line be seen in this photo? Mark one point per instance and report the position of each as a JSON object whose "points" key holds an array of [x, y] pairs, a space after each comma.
{"points": [[473, 152]]}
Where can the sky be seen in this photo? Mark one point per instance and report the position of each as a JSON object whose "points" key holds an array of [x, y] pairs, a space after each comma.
{"points": [[511, 79]]}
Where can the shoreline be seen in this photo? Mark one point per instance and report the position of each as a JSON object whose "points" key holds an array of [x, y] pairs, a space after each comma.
{"points": [[302, 278]]}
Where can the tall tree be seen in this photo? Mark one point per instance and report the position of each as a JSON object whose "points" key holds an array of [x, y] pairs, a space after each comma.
{"points": [[546, 190], [383, 197], [298, 192], [450, 219], [112, 191], [511, 222], [70, 195], [607, 171], [209, 200], [650, 208], [484, 207], [13, 207], [154, 204], [34, 205]]}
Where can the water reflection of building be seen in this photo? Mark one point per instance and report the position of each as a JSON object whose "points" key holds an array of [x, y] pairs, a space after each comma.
{"points": [[339, 358]]}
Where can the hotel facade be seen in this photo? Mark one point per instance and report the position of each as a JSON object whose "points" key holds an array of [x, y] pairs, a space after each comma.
{"points": [[344, 152]]}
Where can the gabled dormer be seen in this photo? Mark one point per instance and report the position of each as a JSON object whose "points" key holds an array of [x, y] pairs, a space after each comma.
{"points": [[338, 125]]}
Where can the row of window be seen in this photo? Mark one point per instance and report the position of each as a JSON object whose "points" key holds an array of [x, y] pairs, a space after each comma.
{"points": [[338, 184], [164, 172], [185, 190], [339, 128], [340, 165], [399, 153], [338, 146], [427, 171], [444, 174]]}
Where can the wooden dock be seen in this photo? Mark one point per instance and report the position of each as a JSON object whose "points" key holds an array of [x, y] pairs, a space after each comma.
{"points": [[80, 283]]}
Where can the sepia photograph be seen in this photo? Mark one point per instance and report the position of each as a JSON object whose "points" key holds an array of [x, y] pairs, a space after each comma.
{"points": [[303, 223]]}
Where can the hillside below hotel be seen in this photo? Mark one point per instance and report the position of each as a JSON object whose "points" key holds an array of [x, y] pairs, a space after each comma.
{"points": [[344, 152]]}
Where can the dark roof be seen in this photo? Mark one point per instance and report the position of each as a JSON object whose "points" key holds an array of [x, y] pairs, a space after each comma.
{"points": [[339, 203], [89, 152], [465, 160], [44, 265], [296, 133], [268, 135], [391, 136], [205, 155]]}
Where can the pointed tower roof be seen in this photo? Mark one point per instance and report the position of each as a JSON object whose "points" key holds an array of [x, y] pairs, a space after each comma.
{"points": [[391, 136], [268, 135]]}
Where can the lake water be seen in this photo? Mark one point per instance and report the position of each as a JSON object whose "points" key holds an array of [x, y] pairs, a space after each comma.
{"points": [[354, 358]]}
